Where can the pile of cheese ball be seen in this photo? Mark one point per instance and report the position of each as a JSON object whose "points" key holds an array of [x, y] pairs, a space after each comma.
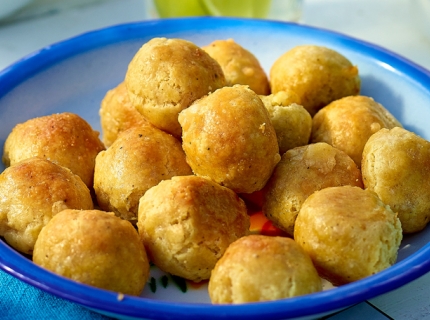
{"points": [[185, 136]]}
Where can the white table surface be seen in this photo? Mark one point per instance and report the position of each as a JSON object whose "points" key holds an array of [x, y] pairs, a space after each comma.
{"points": [[388, 23]]}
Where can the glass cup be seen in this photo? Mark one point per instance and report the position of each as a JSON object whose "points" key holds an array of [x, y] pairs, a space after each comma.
{"points": [[286, 10]]}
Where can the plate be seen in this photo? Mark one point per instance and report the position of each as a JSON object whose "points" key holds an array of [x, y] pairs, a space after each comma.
{"points": [[74, 76]]}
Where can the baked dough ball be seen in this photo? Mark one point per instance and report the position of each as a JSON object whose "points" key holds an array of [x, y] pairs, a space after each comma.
{"points": [[63, 138], [117, 114], [280, 98], [239, 65], [228, 137], [166, 75], [187, 223], [139, 159], [96, 248], [348, 232], [396, 166], [317, 74], [301, 172], [348, 123], [262, 268], [31, 193], [291, 121]]}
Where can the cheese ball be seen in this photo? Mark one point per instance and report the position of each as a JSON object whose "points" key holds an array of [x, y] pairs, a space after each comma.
{"points": [[187, 223], [118, 114], [31, 193], [239, 65], [262, 268], [229, 138], [319, 75], [348, 123], [139, 159], [95, 248], [301, 172], [280, 98], [291, 121], [348, 232], [63, 138], [396, 166], [166, 75]]}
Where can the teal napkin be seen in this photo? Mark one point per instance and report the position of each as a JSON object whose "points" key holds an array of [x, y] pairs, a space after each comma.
{"points": [[19, 300]]}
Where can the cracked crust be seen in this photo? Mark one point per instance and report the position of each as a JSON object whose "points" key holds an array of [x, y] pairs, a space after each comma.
{"points": [[139, 159], [348, 232], [187, 223]]}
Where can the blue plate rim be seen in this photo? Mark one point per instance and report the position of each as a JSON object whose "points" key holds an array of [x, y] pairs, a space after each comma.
{"points": [[138, 307], [102, 300]]}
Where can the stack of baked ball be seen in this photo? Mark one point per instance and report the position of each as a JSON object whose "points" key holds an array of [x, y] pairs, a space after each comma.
{"points": [[189, 131]]}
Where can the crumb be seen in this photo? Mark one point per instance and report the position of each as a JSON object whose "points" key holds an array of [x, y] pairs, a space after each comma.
{"points": [[262, 127]]}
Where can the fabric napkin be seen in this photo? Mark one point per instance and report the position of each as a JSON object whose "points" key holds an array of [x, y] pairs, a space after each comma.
{"points": [[19, 300]]}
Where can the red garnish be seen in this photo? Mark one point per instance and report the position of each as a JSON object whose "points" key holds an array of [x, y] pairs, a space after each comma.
{"points": [[261, 225]]}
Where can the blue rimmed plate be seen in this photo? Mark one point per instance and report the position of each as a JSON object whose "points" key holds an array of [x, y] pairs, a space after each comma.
{"points": [[74, 76]]}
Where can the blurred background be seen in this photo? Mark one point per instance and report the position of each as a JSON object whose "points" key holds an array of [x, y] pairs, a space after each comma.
{"points": [[402, 26]]}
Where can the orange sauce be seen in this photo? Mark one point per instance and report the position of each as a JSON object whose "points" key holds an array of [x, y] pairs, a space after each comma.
{"points": [[261, 225], [196, 285]]}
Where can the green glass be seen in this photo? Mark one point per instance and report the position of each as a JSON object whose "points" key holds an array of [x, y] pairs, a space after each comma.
{"points": [[232, 8]]}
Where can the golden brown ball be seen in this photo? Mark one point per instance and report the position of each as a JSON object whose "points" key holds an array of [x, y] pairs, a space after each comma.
{"points": [[280, 98], [319, 75], [63, 138], [31, 193], [301, 172], [95, 248], [348, 232], [396, 166], [229, 138], [348, 123], [262, 268], [187, 223], [118, 114], [166, 75], [239, 65], [139, 159], [291, 121]]}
